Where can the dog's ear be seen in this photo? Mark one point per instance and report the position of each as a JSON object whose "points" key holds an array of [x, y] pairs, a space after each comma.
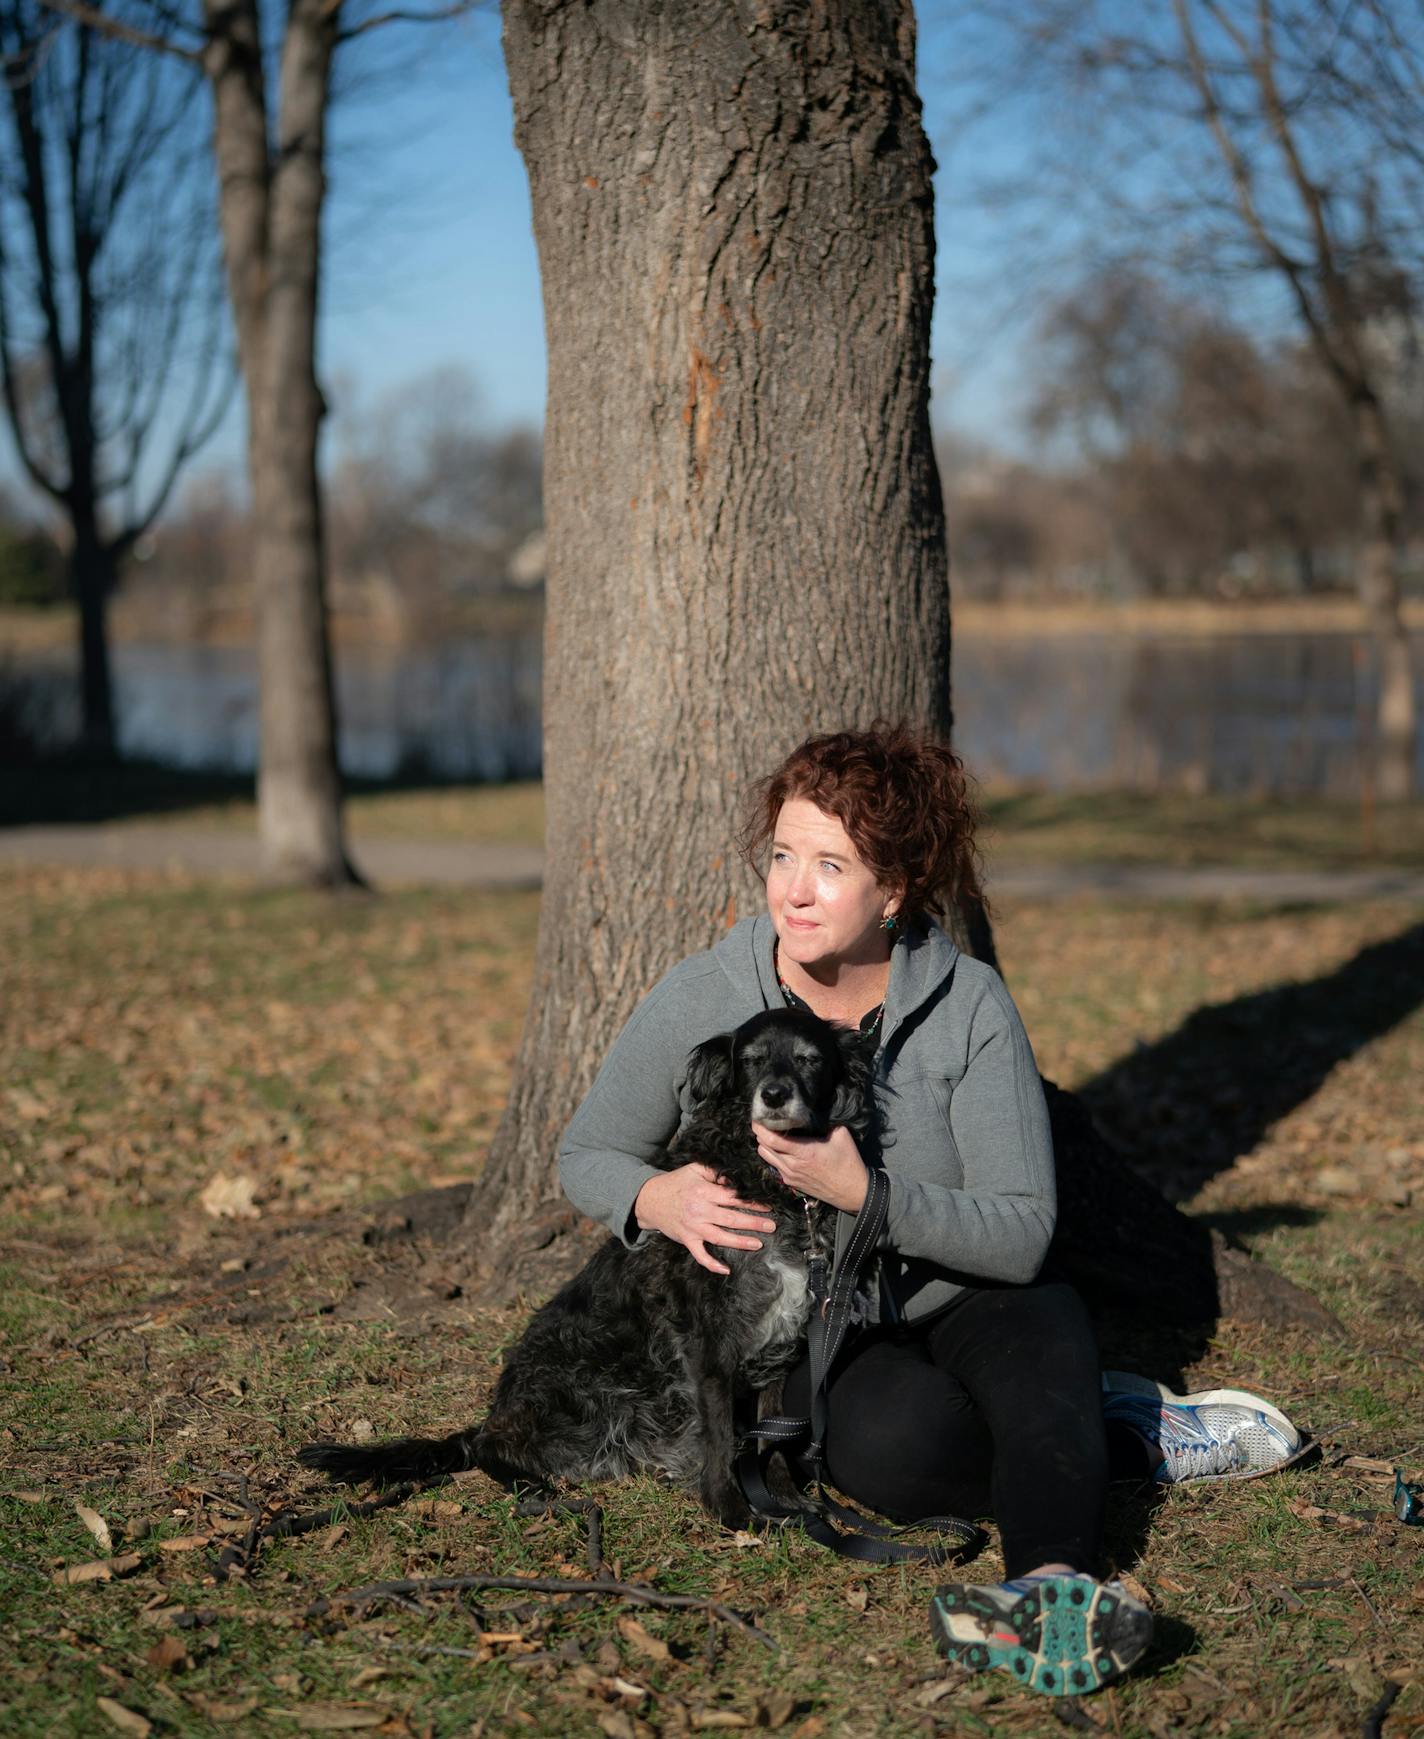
{"points": [[709, 1068], [852, 1103]]}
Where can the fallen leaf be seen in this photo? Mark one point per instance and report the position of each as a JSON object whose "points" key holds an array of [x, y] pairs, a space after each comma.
{"points": [[126, 1720], [745, 1542], [625, 1688], [168, 1654], [811, 1728], [437, 1509], [231, 1198], [97, 1570], [185, 1542], [928, 1695], [617, 1725], [776, 1710], [639, 1637], [333, 1537], [858, 1597], [30, 1497], [223, 1711], [333, 1717], [1133, 1587], [368, 1676], [1309, 1512], [719, 1718], [95, 1524], [1363, 1678]]}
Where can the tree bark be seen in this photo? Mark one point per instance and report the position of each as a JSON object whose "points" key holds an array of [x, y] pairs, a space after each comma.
{"points": [[733, 210], [1382, 499], [270, 205], [91, 568]]}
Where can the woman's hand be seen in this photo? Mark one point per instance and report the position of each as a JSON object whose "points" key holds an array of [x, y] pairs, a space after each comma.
{"points": [[694, 1207], [830, 1170]]}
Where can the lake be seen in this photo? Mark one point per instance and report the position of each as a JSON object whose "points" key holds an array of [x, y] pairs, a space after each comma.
{"points": [[1261, 712]]}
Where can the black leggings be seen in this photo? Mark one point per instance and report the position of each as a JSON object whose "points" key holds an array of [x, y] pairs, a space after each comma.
{"points": [[993, 1407]]}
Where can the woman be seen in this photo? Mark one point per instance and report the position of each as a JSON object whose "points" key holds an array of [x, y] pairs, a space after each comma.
{"points": [[978, 1390]]}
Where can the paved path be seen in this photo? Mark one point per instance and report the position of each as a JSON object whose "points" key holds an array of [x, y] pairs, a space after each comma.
{"points": [[456, 863]]}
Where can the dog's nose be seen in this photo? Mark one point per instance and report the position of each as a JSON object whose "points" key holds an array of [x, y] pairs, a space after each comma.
{"points": [[775, 1093]]}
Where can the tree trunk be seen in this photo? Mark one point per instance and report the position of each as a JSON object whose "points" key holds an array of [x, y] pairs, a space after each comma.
{"points": [[91, 570], [1397, 720], [733, 210], [270, 207], [298, 782]]}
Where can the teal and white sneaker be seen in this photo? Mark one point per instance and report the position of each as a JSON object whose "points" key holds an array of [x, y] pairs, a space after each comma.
{"points": [[1214, 1434], [1062, 1635]]}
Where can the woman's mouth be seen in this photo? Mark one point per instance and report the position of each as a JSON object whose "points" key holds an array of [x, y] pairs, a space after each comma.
{"points": [[798, 923]]}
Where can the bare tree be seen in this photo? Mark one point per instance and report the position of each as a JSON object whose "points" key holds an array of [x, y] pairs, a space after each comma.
{"points": [[113, 344], [270, 101], [427, 493], [1201, 444], [1270, 150]]}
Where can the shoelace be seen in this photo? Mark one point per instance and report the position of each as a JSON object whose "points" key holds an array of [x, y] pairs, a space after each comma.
{"points": [[1196, 1460]]}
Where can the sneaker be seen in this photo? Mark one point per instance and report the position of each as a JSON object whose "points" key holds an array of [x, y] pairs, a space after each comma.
{"points": [[1214, 1434], [1062, 1635]]}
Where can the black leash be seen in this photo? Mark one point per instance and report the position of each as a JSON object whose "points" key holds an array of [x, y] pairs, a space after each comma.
{"points": [[833, 1525]]}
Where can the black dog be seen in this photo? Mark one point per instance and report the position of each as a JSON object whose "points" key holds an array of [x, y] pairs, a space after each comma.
{"points": [[637, 1361]]}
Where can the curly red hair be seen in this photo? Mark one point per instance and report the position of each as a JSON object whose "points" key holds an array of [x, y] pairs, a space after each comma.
{"points": [[904, 799]]}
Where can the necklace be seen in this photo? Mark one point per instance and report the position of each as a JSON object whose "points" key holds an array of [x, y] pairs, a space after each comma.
{"points": [[868, 1026]]}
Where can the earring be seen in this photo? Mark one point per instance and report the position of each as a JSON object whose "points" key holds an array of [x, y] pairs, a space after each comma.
{"points": [[888, 922]]}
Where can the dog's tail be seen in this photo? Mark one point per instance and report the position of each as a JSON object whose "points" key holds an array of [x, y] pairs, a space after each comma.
{"points": [[404, 1460]]}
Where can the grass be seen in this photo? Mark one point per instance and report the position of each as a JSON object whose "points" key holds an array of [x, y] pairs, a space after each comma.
{"points": [[157, 1032], [1022, 828]]}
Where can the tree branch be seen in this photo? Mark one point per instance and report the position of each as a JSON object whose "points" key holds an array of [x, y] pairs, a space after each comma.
{"points": [[399, 17], [99, 20]]}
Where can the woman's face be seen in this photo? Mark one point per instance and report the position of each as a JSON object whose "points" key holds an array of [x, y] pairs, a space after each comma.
{"points": [[826, 905]]}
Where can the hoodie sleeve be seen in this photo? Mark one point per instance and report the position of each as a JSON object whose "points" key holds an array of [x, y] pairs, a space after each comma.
{"points": [[997, 1224], [630, 1114]]}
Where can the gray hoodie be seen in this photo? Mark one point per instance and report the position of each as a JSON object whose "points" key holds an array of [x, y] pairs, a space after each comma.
{"points": [[965, 1145]]}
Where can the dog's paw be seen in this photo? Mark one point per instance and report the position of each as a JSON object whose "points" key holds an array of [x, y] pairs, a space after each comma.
{"points": [[729, 1507]]}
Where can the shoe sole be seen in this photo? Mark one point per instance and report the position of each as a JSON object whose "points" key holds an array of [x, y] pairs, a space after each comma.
{"points": [[1066, 1637], [1124, 1382]]}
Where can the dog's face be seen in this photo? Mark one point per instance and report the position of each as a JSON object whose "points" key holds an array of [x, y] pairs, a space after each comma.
{"points": [[791, 1070]]}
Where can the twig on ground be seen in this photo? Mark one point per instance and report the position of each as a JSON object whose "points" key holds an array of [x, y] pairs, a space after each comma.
{"points": [[587, 1507], [1369, 1605], [20, 1564], [237, 1559], [1399, 1358], [637, 1592], [1071, 1713], [1282, 1591], [1374, 1721]]}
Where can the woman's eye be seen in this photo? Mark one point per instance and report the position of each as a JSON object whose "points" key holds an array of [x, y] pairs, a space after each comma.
{"points": [[834, 868]]}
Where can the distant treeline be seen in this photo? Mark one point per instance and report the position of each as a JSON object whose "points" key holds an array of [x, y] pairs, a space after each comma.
{"points": [[1179, 457], [1174, 456]]}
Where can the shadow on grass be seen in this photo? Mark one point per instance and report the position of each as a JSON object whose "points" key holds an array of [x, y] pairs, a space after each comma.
{"points": [[1241, 1225], [1179, 1112], [1187, 1107]]}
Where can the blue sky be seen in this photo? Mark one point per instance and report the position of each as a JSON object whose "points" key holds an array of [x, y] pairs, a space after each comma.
{"points": [[435, 264], [431, 265]]}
